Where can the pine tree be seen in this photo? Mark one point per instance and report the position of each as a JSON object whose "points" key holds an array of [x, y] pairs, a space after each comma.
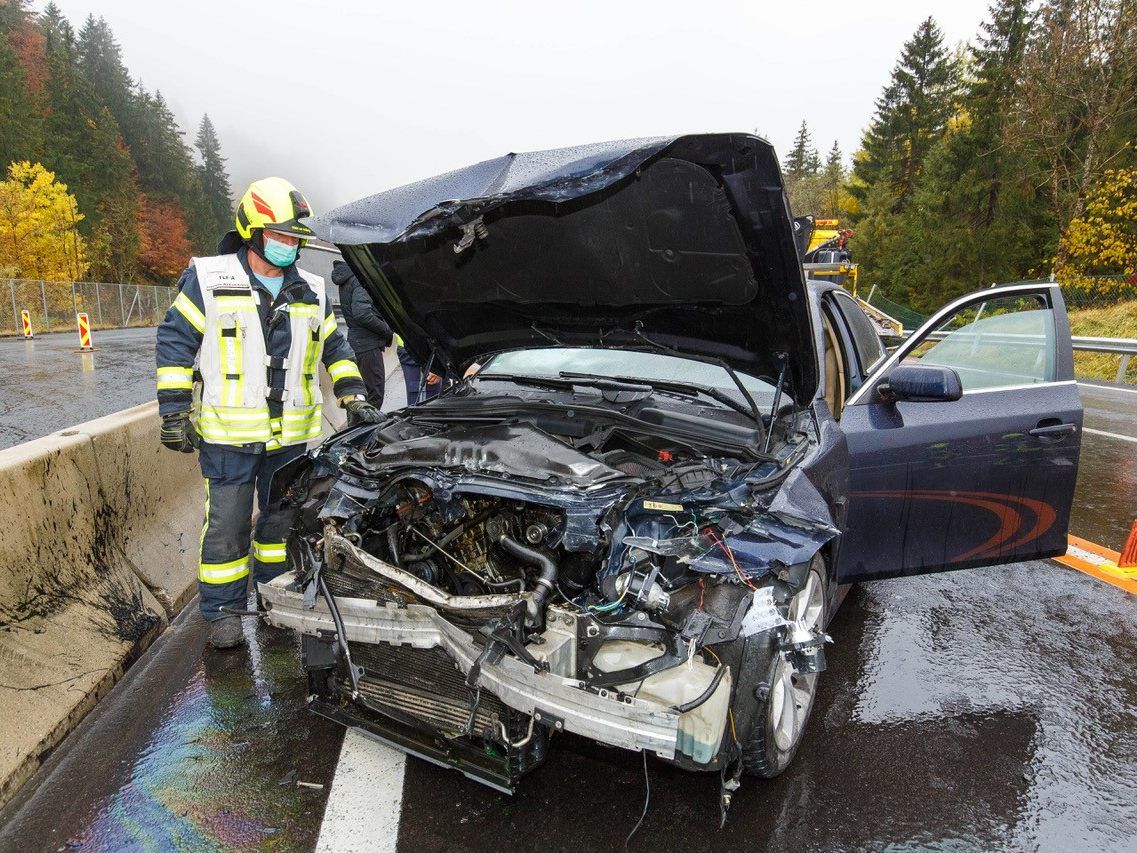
{"points": [[833, 160], [833, 179], [973, 217], [20, 139], [802, 159], [213, 179], [164, 164], [82, 143], [998, 64], [911, 115], [100, 59]]}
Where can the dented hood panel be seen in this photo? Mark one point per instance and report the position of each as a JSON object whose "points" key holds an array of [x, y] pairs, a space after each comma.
{"points": [[682, 241]]}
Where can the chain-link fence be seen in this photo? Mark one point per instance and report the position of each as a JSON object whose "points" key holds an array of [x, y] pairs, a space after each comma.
{"points": [[54, 304]]}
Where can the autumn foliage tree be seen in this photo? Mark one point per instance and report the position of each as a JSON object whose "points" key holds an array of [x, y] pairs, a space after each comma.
{"points": [[164, 248], [39, 226], [1102, 240]]}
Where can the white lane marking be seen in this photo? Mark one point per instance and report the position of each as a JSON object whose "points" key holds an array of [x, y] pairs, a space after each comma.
{"points": [[366, 799], [1108, 387], [1116, 435]]}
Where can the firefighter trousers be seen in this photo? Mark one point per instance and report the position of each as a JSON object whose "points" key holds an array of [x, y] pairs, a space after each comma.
{"points": [[232, 478]]}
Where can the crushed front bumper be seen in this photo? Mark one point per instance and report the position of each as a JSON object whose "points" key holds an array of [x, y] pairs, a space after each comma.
{"points": [[561, 703]]}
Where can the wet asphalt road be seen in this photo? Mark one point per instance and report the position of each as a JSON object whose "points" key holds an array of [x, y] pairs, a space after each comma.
{"points": [[45, 385], [194, 750], [991, 709]]}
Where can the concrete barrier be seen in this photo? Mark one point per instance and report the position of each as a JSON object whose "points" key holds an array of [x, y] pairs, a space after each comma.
{"points": [[101, 526], [97, 520], [157, 499]]}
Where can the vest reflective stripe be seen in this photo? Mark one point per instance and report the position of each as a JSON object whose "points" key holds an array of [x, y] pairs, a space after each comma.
{"points": [[170, 378], [269, 552], [330, 325], [301, 425], [233, 426], [343, 369], [304, 358], [311, 353], [234, 570], [190, 311], [233, 361]]}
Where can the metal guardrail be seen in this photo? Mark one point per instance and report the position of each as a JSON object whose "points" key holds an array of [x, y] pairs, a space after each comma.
{"points": [[1123, 346]]}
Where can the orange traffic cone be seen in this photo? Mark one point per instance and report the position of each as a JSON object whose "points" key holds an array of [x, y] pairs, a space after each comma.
{"points": [[1128, 559]]}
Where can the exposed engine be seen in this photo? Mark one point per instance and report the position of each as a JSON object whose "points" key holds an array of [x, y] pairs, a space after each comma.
{"points": [[467, 547], [633, 577]]}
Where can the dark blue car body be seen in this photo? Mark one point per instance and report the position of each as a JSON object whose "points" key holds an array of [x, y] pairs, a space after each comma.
{"points": [[591, 292], [938, 485]]}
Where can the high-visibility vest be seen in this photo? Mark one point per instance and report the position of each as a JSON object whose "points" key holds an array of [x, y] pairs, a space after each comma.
{"points": [[234, 362]]}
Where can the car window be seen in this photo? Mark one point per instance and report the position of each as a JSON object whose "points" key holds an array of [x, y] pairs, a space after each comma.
{"points": [[550, 361], [994, 344], [866, 338]]}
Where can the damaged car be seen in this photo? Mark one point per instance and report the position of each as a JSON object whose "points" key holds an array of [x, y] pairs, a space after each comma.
{"points": [[636, 516]]}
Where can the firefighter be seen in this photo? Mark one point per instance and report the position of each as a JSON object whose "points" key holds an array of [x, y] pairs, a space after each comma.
{"points": [[255, 326]]}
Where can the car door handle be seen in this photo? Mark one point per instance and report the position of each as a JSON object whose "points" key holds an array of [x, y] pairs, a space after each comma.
{"points": [[1053, 430]]}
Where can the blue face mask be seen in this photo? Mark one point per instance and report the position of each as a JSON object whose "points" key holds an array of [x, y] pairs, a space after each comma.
{"points": [[279, 254]]}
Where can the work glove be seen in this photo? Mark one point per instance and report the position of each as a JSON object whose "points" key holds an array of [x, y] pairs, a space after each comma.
{"points": [[178, 433], [361, 412]]}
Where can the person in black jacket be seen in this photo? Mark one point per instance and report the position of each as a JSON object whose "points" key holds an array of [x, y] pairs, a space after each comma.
{"points": [[367, 332]]}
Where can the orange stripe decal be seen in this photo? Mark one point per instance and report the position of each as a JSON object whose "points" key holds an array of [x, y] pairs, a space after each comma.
{"points": [[1004, 507], [261, 205]]}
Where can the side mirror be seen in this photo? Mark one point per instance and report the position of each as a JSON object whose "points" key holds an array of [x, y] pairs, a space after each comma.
{"points": [[921, 383]]}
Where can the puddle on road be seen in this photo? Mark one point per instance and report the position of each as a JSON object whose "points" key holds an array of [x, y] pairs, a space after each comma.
{"points": [[220, 771]]}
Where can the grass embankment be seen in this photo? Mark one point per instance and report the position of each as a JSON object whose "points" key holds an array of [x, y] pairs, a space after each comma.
{"points": [[1116, 321]]}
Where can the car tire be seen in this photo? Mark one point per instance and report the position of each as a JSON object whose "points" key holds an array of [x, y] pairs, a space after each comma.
{"points": [[784, 710]]}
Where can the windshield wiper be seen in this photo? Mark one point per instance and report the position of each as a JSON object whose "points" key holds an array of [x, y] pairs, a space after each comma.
{"points": [[568, 380], [686, 388], [754, 413], [637, 385]]}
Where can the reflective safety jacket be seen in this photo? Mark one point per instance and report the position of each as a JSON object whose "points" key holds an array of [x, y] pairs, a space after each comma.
{"points": [[257, 356]]}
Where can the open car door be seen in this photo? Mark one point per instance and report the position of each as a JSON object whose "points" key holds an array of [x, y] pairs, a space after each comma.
{"points": [[963, 444]]}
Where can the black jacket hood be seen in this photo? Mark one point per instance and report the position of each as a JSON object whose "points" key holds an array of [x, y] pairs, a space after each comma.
{"points": [[341, 273], [685, 242]]}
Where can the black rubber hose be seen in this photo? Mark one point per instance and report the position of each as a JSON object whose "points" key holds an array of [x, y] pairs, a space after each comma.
{"points": [[393, 544], [702, 697], [547, 576], [341, 635]]}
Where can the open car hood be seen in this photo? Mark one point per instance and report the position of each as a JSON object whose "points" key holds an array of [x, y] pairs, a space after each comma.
{"points": [[685, 242]]}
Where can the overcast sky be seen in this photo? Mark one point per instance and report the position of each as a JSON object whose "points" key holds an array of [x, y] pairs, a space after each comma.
{"points": [[350, 97]]}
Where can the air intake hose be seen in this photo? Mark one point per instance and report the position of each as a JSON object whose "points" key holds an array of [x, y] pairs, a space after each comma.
{"points": [[546, 579]]}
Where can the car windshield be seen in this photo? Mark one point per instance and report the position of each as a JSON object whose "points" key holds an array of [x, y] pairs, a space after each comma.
{"points": [[649, 367]]}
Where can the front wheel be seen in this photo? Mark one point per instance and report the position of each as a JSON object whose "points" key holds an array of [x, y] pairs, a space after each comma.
{"points": [[783, 712]]}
